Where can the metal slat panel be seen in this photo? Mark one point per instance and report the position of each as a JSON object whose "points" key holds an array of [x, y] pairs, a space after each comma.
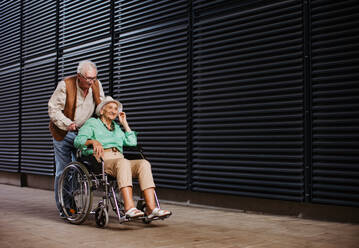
{"points": [[84, 21], [9, 115], [98, 52], [9, 32], [248, 98], [36, 141], [335, 91], [39, 28], [151, 74], [138, 13]]}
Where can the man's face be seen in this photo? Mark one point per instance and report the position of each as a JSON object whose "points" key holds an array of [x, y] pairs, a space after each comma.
{"points": [[110, 111], [87, 78]]}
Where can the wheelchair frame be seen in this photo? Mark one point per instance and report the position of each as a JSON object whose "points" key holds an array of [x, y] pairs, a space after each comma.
{"points": [[75, 192]]}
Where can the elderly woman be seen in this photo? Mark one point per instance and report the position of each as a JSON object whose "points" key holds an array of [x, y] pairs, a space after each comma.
{"points": [[107, 140]]}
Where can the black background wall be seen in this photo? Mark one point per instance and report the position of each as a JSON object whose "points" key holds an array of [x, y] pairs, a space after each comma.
{"points": [[247, 98]]}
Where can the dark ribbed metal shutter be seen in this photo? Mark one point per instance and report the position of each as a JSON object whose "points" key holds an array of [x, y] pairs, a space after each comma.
{"points": [[248, 98], [10, 18], [85, 34], [38, 75], [10, 13], [9, 116], [335, 80], [152, 80], [97, 52], [84, 21], [37, 87], [39, 29]]}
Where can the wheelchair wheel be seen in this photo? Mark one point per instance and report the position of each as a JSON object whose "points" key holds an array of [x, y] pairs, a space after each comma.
{"points": [[75, 193], [101, 216]]}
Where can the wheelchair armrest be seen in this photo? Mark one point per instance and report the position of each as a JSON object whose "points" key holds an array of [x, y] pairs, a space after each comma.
{"points": [[78, 154], [130, 149]]}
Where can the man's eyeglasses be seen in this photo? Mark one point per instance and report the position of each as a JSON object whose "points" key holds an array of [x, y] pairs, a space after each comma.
{"points": [[88, 79]]}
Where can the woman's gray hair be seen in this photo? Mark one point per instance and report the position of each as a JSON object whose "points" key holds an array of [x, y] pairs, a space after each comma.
{"points": [[84, 64]]}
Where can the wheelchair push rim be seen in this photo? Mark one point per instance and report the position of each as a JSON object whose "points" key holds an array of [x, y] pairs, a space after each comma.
{"points": [[74, 192]]}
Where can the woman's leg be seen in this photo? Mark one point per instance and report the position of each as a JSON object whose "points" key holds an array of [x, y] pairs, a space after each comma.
{"points": [[117, 166], [130, 209], [124, 180], [142, 169], [127, 197], [149, 195], [152, 210]]}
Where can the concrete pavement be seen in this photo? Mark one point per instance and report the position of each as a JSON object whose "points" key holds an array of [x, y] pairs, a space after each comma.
{"points": [[28, 219]]}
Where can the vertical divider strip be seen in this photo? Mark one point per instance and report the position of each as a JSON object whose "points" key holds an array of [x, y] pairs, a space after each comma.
{"points": [[22, 175], [307, 104], [189, 96], [112, 48]]}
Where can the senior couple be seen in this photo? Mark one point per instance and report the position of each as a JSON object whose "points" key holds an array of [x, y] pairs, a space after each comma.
{"points": [[72, 103]]}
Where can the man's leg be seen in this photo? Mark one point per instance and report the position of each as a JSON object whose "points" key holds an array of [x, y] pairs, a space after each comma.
{"points": [[64, 153]]}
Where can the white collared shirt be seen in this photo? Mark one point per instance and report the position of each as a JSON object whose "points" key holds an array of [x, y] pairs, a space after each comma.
{"points": [[85, 106]]}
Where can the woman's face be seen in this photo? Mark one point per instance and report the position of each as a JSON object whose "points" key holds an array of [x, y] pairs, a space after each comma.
{"points": [[110, 111]]}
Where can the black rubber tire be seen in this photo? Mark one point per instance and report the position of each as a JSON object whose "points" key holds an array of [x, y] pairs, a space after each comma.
{"points": [[101, 217], [75, 176]]}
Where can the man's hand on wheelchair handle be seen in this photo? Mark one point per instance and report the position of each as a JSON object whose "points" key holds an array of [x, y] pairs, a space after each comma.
{"points": [[72, 127]]}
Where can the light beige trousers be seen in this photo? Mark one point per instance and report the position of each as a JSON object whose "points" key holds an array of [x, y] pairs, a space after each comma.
{"points": [[123, 169]]}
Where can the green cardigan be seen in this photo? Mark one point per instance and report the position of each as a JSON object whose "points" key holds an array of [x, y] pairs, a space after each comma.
{"points": [[95, 129]]}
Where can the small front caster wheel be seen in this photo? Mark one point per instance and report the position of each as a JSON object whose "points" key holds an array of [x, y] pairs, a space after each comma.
{"points": [[101, 217]]}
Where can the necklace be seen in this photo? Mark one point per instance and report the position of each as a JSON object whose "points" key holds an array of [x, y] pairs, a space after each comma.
{"points": [[112, 127]]}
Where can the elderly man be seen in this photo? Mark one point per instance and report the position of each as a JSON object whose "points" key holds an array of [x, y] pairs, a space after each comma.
{"points": [[70, 106]]}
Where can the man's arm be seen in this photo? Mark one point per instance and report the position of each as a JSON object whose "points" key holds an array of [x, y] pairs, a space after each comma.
{"points": [[56, 106]]}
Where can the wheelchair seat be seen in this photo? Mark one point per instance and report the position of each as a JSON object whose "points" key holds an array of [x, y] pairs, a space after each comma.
{"points": [[111, 178], [91, 164]]}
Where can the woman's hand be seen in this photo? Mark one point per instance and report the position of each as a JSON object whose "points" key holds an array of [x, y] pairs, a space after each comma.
{"points": [[97, 148], [122, 118]]}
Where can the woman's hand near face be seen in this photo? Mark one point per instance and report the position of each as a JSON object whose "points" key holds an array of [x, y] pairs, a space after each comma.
{"points": [[123, 120]]}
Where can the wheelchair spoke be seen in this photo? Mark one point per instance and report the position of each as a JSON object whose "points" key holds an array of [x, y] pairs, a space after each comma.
{"points": [[67, 191]]}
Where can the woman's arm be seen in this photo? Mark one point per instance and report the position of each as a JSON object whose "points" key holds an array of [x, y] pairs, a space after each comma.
{"points": [[130, 136], [86, 136], [123, 120], [97, 147]]}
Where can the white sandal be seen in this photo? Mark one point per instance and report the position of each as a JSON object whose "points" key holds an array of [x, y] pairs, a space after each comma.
{"points": [[160, 213], [134, 213]]}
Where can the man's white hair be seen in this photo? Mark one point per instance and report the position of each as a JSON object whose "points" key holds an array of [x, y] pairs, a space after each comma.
{"points": [[84, 64]]}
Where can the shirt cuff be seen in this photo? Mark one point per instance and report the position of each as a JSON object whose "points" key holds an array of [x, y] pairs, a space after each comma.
{"points": [[80, 141], [67, 122]]}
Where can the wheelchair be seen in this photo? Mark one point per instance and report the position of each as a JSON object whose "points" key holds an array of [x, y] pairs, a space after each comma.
{"points": [[81, 178]]}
